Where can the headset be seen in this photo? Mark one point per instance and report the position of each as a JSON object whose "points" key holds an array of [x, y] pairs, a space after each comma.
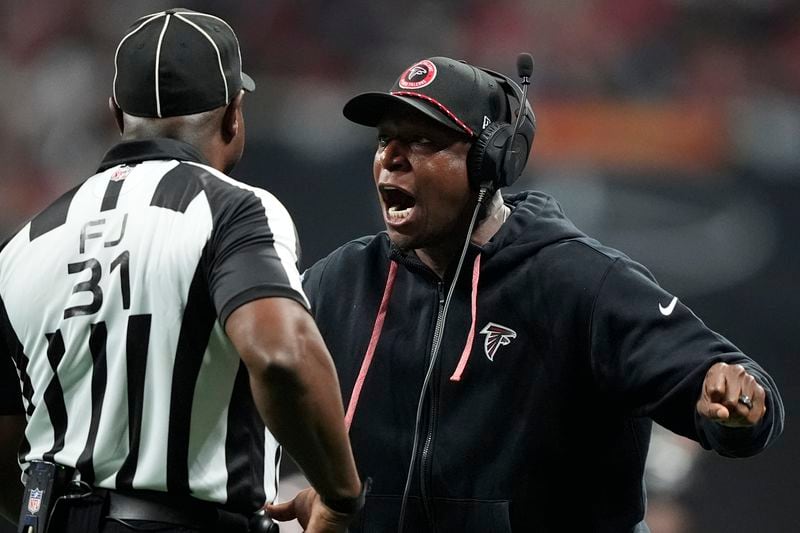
{"points": [[501, 151]]}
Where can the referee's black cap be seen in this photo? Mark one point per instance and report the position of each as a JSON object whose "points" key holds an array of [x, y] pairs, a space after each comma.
{"points": [[178, 62], [454, 93]]}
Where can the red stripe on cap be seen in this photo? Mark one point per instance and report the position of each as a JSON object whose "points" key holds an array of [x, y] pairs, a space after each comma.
{"points": [[438, 104]]}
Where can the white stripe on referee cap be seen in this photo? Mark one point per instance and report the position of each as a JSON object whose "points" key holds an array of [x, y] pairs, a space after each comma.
{"points": [[148, 18], [216, 49], [158, 59], [235, 38]]}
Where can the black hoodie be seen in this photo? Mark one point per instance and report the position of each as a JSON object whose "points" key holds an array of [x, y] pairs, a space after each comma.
{"points": [[556, 353]]}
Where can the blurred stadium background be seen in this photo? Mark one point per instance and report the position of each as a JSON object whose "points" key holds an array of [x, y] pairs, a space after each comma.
{"points": [[667, 128]]}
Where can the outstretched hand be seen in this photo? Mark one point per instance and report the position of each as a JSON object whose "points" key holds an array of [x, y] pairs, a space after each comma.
{"points": [[731, 396], [313, 515]]}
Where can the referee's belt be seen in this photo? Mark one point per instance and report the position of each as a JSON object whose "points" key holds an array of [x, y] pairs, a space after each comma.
{"points": [[190, 513]]}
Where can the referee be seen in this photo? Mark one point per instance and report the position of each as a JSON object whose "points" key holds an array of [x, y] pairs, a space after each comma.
{"points": [[152, 321]]}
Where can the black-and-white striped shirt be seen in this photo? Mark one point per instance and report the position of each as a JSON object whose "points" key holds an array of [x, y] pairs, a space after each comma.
{"points": [[112, 306]]}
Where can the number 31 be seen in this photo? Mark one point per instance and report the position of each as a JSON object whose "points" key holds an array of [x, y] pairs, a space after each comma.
{"points": [[92, 285]]}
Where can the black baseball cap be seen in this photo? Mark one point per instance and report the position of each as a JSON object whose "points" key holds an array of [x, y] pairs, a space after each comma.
{"points": [[178, 62], [453, 93]]}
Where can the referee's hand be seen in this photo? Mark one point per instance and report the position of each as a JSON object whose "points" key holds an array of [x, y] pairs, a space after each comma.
{"points": [[732, 397], [313, 515]]}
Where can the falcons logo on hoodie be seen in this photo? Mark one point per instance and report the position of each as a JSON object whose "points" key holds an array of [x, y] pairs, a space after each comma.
{"points": [[496, 336]]}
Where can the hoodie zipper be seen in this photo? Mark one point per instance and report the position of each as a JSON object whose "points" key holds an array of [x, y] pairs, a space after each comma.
{"points": [[425, 461]]}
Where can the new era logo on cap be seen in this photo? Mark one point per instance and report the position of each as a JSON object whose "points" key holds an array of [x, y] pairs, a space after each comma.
{"points": [[178, 62]]}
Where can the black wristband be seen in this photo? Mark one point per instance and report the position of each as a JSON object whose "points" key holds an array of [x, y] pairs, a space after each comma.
{"points": [[349, 505]]}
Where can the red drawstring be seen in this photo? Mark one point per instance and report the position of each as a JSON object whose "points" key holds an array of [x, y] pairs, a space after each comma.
{"points": [[462, 363], [373, 342], [378, 328]]}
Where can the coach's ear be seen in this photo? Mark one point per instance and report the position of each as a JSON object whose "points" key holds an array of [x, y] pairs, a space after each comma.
{"points": [[117, 112], [232, 120]]}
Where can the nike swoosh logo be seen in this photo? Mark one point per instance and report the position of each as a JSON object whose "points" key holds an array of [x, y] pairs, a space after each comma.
{"points": [[666, 311]]}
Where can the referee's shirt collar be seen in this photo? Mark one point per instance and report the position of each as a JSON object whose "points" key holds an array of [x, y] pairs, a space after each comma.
{"points": [[132, 152]]}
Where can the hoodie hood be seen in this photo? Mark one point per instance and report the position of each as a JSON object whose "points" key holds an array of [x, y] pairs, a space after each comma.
{"points": [[536, 221]]}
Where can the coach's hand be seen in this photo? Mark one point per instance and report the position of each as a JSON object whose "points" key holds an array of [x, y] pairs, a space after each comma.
{"points": [[313, 515], [731, 396]]}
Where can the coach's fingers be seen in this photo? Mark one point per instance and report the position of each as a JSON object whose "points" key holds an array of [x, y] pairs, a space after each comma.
{"points": [[727, 391], [713, 411], [759, 409], [282, 511], [713, 393], [747, 387], [714, 386], [300, 508], [735, 380], [750, 397]]}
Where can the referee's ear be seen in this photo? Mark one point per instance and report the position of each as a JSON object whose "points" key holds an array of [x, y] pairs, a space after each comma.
{"points": [[233, 121], [117, 112]]}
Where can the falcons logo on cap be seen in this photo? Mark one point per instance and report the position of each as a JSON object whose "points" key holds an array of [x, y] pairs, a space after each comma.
{"points": [[418, 75], [496, 336], [417, 71]]}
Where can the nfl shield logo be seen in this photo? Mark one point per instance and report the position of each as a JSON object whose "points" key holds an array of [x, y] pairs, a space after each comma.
{"points": [[120, 174], [35, 500]]}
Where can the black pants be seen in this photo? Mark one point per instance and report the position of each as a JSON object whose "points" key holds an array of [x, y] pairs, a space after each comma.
{"points": [[88, 515]]}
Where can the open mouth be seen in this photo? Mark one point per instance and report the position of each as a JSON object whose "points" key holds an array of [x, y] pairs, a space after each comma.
{"points": [[398, 202]]}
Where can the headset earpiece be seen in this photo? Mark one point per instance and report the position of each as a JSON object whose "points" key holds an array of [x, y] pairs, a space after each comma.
{"points": [[492, 158], [485, 156]]}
